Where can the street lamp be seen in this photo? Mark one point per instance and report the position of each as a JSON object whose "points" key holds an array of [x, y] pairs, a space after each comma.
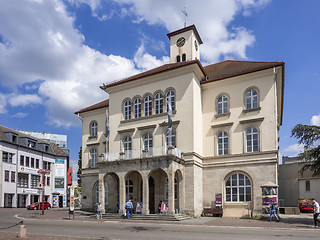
{"points": [[43, 173]]}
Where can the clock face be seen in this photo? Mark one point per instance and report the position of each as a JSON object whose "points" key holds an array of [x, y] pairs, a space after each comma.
{"points": [[196, 45], [181, 41]]}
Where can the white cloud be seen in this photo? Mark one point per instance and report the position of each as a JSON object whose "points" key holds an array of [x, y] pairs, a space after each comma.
{"points": [[293, 150], [24, 100], [315, 120], [39, 41], [20, 115]]}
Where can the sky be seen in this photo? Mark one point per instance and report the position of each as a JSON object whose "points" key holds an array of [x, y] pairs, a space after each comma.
{"points": [[54, 54]]}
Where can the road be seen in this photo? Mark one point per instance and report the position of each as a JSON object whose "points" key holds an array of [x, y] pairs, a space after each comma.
{"points": [[132, 230]]}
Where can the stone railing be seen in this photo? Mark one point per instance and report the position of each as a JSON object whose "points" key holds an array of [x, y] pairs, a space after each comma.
{"points": [[141, 153]]}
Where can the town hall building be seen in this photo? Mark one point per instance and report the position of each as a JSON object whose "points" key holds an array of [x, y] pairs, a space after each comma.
{"points": [[223, 143]]}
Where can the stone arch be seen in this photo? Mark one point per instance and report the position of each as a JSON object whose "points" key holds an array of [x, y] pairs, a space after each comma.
{"points": [[156, 178], [112, 196], [134, 187]]}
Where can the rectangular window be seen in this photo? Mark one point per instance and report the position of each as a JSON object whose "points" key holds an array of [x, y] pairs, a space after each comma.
{"points": [[27, 161], [37, 163], [35, 179], [22, 180], [46, 165], [13, 176], [6, 175], [32, 162], [21, 160], [7, 157], [32, 144], [48, 181], [307, 186]]}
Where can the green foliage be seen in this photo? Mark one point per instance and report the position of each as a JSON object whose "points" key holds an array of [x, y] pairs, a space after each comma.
{"points": [[309, 136]]}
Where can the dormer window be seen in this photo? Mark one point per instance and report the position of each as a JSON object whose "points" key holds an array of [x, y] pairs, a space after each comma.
{"points": [[32, 144], [12, 137]]}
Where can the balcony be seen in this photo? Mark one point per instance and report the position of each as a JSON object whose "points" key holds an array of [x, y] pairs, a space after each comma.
{"points": [[141, 153]]}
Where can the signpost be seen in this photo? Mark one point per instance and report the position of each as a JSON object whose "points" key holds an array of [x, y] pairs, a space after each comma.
{"points": [[41, 185], [71, 209]]}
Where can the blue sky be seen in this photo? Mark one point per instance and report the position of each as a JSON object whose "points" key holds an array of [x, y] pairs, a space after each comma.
{"points": [[54, 55]]}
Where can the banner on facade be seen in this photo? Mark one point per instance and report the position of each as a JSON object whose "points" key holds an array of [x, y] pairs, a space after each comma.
{"points": [[59, 183]]}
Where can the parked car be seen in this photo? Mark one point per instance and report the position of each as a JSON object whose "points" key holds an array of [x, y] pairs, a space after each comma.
{"points": [[306, 207], [38, 205]]}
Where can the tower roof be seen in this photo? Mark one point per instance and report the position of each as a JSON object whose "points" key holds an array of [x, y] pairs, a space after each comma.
{"points": [[192, 27]]}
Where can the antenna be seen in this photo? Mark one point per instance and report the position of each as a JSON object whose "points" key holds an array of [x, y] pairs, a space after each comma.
{"points": [[185, 16]]}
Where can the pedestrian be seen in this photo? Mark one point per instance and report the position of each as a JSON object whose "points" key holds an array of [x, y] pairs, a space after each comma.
{"points": [[316, 212], [129, 208], [99, 211], [159, 206], [273, 210]]}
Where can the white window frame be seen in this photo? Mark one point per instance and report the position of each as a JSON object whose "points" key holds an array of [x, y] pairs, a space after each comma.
{"points": [[158, 103], [252, 139], [147, 104], [127, 110], [251, 99], [237, 188], [223, 105], [223, 143], [137, 108], [127, 146], [129, 189], [93, 158], [147, 141], [94, 129]]}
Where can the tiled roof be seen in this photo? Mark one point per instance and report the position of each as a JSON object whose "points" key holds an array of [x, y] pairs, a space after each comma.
{"points": [[231, 68], [163, 68], [102, 104], [53, 149]]}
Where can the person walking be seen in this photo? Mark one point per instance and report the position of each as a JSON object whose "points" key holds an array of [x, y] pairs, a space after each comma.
{"points": [[316, 212], [99, 210], [129, 208], [273, 210]]}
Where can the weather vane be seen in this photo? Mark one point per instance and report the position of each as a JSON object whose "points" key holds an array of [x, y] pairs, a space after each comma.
{"points": [[185, 16]]}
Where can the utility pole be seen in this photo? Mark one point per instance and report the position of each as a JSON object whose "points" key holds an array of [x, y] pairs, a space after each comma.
{"points": [[43, 173]]}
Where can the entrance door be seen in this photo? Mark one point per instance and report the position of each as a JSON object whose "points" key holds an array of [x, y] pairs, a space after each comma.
{"points": [[151, 196]]}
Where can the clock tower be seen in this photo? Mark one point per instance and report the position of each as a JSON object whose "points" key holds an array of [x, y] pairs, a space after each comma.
{"points": [[184, 44]]}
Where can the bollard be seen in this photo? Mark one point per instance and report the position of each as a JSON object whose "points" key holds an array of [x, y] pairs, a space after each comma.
{"points": [[22, 231]]}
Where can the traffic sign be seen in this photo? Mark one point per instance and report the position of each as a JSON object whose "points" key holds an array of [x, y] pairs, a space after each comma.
{"points": [[40, 185]]}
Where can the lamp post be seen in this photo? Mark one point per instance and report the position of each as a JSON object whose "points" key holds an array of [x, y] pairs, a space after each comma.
{"points": [[43, 173]]}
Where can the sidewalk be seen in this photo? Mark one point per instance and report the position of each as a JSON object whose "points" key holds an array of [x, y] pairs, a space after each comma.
{"points": [[303, 221]]}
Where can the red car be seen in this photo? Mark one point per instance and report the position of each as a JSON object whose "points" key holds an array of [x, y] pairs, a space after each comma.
{"points": [[36, 206], [306, 207]]}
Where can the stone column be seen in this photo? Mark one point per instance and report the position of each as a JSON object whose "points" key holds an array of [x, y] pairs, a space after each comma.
{"points": [[145, 192], [101, 191], [122, 193], [171, 191]]}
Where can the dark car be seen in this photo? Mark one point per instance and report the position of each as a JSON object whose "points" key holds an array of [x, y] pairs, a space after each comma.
{"points": [[306, 207], [38, 205]]}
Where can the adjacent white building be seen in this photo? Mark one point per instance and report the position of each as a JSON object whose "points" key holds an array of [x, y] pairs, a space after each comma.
{"points": [[21, 156]]}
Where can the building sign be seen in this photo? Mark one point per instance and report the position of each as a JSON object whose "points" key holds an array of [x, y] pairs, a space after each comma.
{"points": [[60, 170], [218, 200], [32, 191], [27, 170], [59, 161], [59, 183]]}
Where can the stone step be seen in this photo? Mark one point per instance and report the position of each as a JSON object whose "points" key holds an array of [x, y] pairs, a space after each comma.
{"points": [[140, 217]]}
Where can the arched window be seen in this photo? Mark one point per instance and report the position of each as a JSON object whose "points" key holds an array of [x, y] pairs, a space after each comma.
{"points": [[222, 105], [147, 106], [170, 97], [127, 146], [158, 103], [171, 138], [137, 108], [223, 143], [93, 129], [127, 110], [252, 139], [184, 57], [178, 58], [238, 188], [96, 191], [251, 99], [129, 189], [93, 159]]}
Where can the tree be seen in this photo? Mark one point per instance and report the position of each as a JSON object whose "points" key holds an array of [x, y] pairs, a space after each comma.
{"points": [[309, 136], [79, 172]]}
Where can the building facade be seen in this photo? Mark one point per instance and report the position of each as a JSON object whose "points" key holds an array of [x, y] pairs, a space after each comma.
{"points": [[223, 140], [294, 185], [21, 157]]}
